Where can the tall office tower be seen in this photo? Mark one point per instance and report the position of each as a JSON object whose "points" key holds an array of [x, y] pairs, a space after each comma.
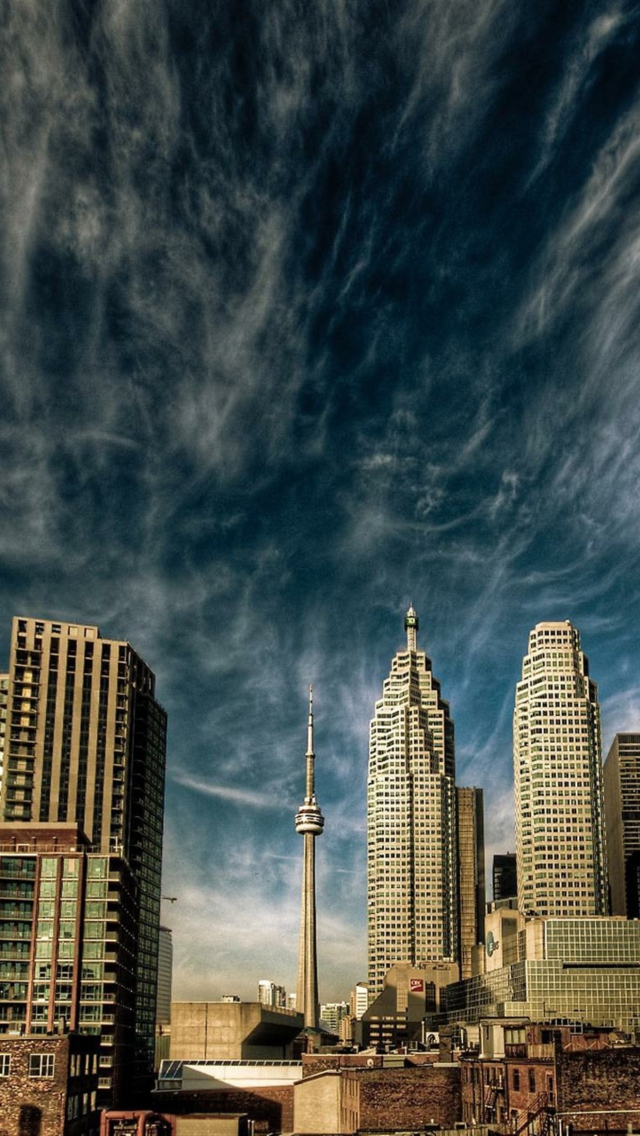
{"points": [[560, 835], [471, 889], [309, 823], [86, 743], [505, 876], [622, 813], [412, 885]]}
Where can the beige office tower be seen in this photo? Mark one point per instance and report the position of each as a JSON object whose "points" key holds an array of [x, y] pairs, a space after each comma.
{"points": [[622, 811], [85, 744], [412, 881], [560, 835], [471, 886]]}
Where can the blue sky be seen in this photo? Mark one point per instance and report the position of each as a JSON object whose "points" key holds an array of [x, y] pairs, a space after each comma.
{"points": [[309, 312]]}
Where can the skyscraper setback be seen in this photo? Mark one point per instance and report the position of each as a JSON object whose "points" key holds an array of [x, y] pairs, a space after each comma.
{"points": [[85, 744], [560, 836], [412, 890]]}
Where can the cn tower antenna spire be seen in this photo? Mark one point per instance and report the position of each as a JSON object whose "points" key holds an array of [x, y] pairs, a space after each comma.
{"points": [[309, 823]]}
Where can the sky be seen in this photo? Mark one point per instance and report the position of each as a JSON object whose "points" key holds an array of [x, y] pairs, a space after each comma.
{"points": [[309, 312]]}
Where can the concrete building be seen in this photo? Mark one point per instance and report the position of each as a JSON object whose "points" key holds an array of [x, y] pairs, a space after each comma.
{"points": [[471, 889], [505, 876], [622, 813], [67, 944], [49, 1085], [582, 970], [309, 824], [232, 1031], [86, 744], [412, 881], [560, 833]]}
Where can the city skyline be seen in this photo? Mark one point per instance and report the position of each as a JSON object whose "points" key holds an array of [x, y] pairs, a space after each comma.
{"points": [[308, 316]]}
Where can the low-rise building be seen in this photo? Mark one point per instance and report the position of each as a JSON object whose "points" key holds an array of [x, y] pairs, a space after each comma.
{"points": [[527, 1075], [49, 1085], [261, 1090], [347, 1100]]}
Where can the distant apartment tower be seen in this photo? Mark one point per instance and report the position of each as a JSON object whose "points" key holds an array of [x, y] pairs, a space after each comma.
{"points": [[165, 976], [412, 885], [505, 876], [4, 692], [359, 1000], [622, 812], [86, 743], [560, 835], [332, 1013], [270, 994], [471, 887]]}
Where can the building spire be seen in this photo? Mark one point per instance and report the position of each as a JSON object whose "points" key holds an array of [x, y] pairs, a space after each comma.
{"points": [[309, 823], [310, 755], [411, 626]]}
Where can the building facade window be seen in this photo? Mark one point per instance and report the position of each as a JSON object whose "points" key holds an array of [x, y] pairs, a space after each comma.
{"points": [[41, 1064], [5, 1064]]}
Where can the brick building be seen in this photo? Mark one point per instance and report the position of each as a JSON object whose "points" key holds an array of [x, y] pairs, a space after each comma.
{"points": [[48, 1085], [270, 1109], [584, 1081], [67, 944], [349, 1099]]}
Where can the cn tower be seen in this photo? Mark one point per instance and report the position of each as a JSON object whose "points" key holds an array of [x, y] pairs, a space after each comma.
{"points": [[309, 823]]}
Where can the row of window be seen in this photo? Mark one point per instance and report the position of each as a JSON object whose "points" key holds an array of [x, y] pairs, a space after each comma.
{"points": [[40, 1064]]}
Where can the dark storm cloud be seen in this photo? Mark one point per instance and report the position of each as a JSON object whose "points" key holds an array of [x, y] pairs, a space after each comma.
{"points": [[309, 312]]}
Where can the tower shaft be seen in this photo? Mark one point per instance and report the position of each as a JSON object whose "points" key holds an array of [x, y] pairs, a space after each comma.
{"points": [[309, 823]]}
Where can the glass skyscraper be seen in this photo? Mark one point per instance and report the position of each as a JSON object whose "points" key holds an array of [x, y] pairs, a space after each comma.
{"points": [[622, 808], [412, 882], [560, 834]]}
